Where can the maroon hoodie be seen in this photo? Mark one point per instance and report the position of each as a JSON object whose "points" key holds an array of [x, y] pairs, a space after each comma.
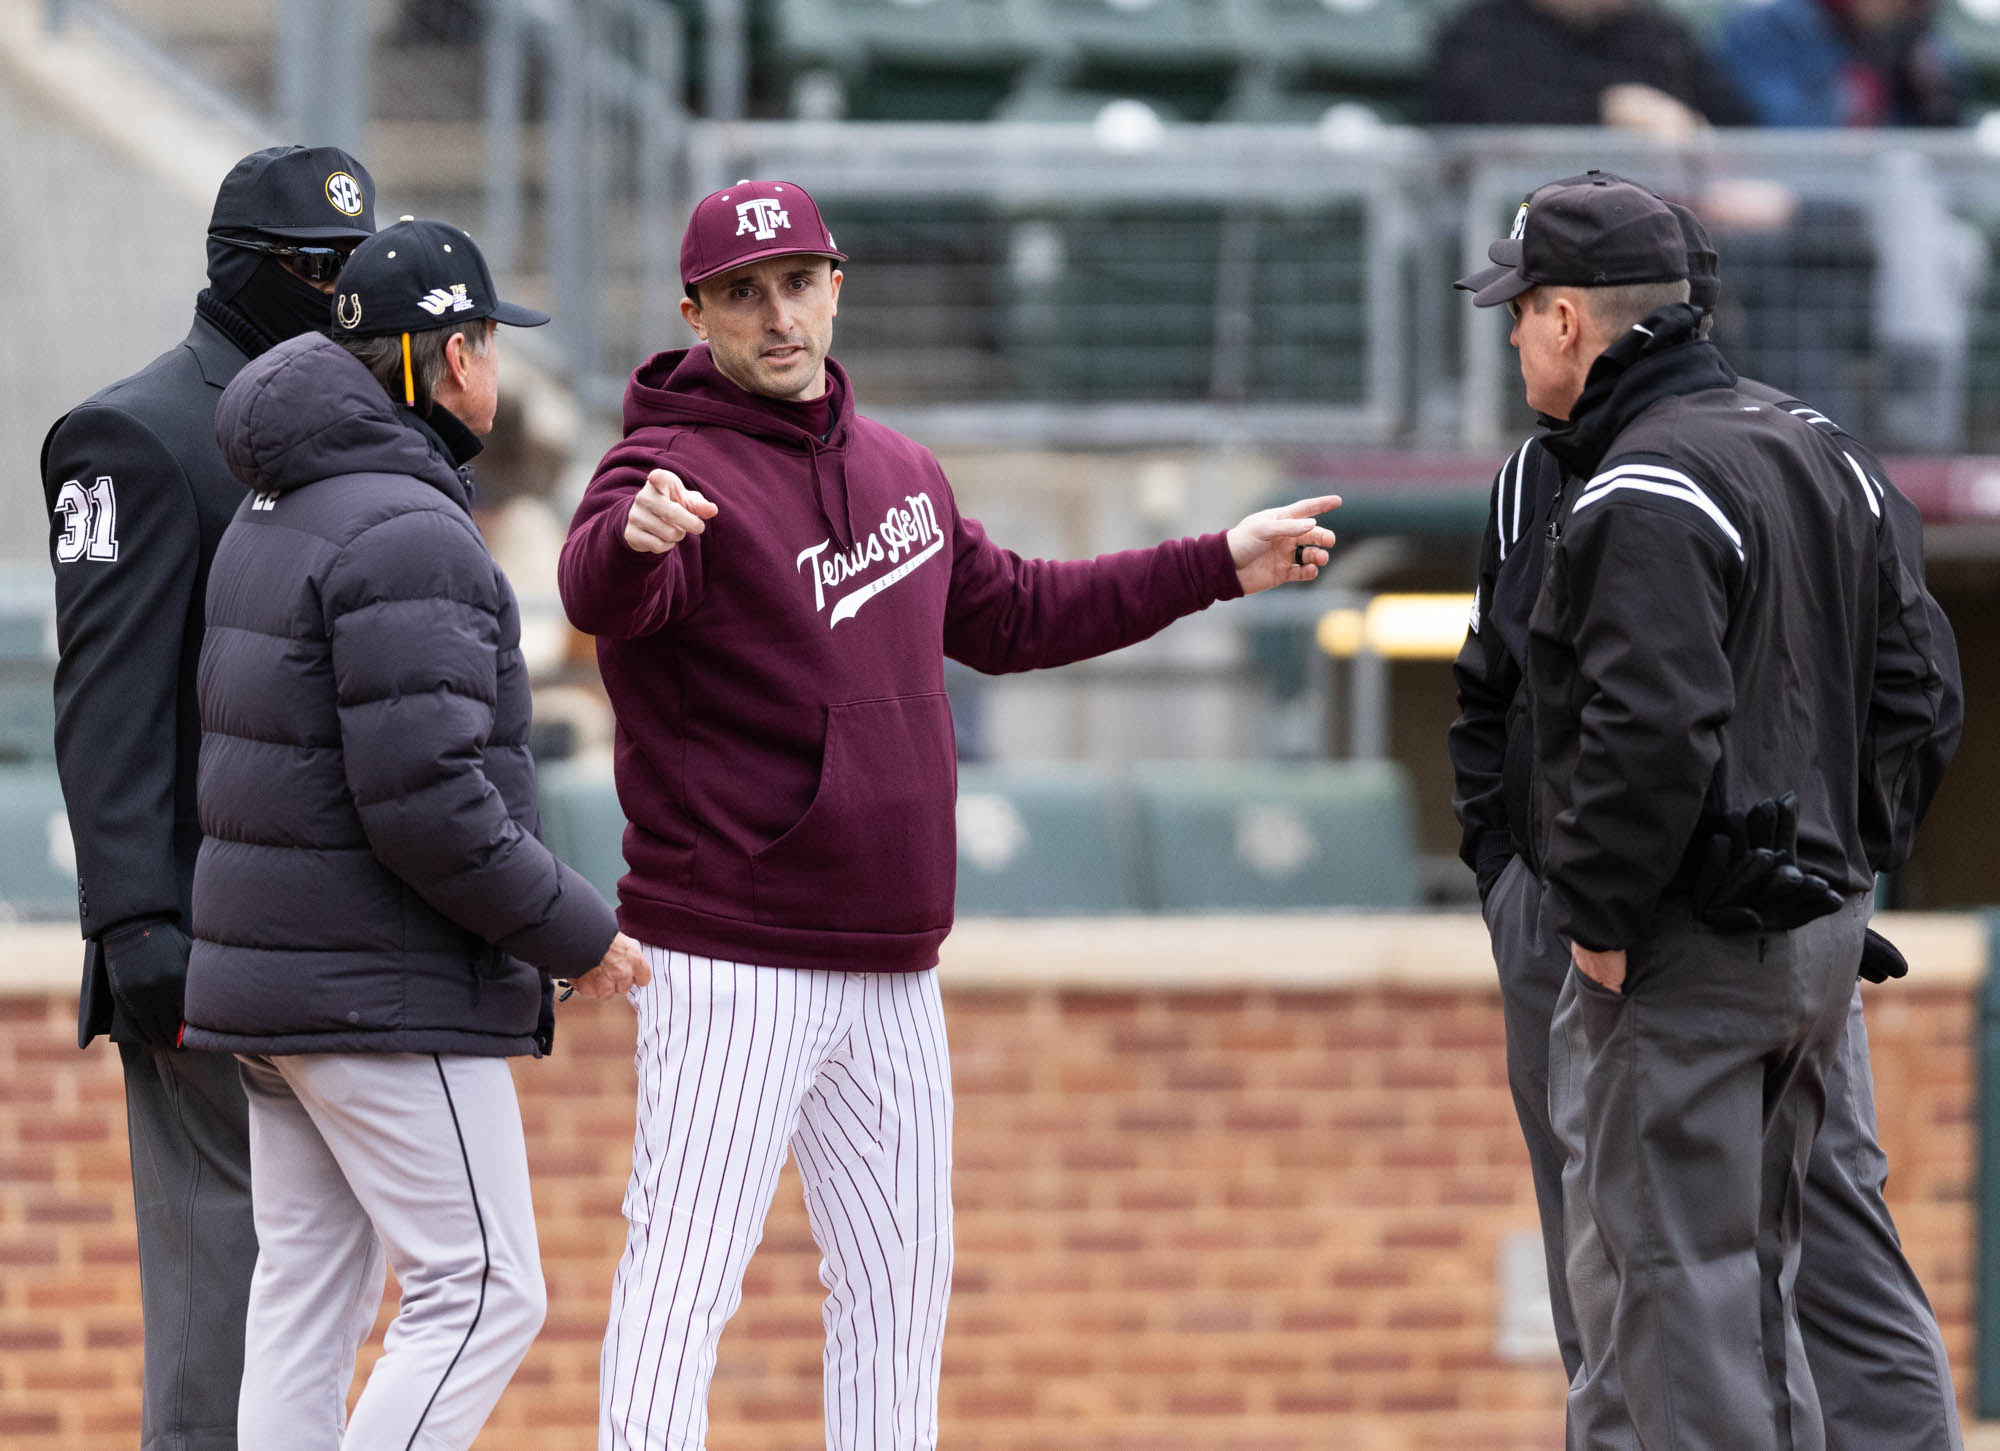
{"points": [[785, 756]]}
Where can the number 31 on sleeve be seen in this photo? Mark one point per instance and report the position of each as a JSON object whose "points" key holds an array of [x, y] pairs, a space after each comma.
{"points": [[90, 521]]}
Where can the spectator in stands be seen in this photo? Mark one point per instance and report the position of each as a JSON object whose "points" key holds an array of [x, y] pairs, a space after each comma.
{"points": [[138, 495], [1843, 63], [1624, 63]]}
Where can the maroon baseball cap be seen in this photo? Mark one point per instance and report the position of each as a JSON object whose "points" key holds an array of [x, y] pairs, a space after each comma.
{"points": [[748, 222]]}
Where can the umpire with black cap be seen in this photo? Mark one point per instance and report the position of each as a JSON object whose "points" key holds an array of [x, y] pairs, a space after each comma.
{"points": [[138, 496], [1700, 660], [1878, 1362]]}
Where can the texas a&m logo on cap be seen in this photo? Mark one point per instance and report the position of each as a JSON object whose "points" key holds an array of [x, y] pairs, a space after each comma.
{"points": [[761, 217]]}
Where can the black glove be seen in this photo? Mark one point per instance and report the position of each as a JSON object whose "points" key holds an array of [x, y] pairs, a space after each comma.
{"points": [[1747, 875], [146, 961], [1880, 960]]}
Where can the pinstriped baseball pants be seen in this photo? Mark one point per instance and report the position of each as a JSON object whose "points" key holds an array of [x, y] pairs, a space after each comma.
{"points": [[737, 1064]]}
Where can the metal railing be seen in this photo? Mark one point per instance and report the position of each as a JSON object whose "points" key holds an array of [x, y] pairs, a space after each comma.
{"points": [[1120, 282]]}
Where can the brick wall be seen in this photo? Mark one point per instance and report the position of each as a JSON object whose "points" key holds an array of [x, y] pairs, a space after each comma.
{"points": [[1261, 1220]]}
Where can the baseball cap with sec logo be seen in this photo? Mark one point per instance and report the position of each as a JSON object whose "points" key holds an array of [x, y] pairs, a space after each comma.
{"points": [[748, 222], [299, 193]]}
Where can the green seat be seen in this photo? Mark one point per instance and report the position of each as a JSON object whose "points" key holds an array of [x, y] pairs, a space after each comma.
{"points": [[1309, 336], [1974, 32], [1364, 42], [37, 859], [582, 822], [1036, 840], [1265, 836], [27, 712], [945, 60], [1113, 304], [27, 667], [1182, 35]]}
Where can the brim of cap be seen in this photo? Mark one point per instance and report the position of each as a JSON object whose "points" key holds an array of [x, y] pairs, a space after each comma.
{"points": [[514, 315], [1504, 281], [1485, 277], [748, 257], [308, 234]]}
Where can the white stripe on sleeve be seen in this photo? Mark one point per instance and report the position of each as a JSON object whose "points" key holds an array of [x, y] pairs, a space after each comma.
{"points": [[1870, 490], [1663, 482]]}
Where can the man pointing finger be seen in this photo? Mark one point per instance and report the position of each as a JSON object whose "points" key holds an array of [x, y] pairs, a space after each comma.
{"points": [[775, 582], [664, 512]]}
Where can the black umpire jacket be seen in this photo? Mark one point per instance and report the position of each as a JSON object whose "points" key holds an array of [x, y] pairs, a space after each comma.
{"points": [[138, 498], [1663, 517]]}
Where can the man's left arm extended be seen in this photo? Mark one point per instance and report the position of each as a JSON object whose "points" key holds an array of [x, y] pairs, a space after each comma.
{"points": [[1007, 613]]}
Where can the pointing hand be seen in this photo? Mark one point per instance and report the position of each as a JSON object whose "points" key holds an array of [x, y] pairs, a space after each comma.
{"points": [[664, 512], [1282, 546]]}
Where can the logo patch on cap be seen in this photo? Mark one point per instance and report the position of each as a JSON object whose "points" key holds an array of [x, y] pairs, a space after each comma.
{"points": [[345, 194], [1520, 224], [761, 217], [347, 310], [438, 300]]}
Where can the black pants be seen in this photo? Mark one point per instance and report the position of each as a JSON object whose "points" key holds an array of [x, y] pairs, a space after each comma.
{"points": [[1870, 1338], [189, 1129]]}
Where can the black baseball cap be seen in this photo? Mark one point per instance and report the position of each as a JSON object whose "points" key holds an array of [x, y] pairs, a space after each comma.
{"points": [[300, 193], [1602, 231], [416, 276], [1704, 265]]}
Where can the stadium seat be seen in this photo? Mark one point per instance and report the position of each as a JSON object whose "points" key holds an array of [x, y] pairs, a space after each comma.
{"points": [[1264, 836], [907, 59], [1309, 334], [1372, 43], [1113, 303], [27, 672], [37, 857], [582, 822], [1050, 839]]}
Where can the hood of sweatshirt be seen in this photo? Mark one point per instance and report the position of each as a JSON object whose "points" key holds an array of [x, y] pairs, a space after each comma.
{"points": [[307, 410], [684, 388]]}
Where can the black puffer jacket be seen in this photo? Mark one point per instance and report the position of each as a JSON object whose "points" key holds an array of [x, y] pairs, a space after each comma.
{"points": [[369, 878]]}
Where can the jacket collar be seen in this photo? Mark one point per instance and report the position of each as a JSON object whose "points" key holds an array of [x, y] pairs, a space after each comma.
{"points": [[1662, 356], [217, 355]]}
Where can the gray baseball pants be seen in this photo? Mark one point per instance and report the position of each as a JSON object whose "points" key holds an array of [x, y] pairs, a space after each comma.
{"points": [[413, 1159], [1871, 1340], [186, 1121]]}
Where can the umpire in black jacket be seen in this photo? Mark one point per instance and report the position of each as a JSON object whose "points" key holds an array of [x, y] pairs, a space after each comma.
{"points": [[1702, 651], [138, 497], [1871, 1338]]}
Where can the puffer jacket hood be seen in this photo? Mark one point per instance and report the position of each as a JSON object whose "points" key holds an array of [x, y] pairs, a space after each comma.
{"points": [[307, 410], [369, 877]]}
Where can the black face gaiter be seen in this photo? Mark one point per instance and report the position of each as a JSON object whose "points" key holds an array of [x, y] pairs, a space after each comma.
{"points": [[261, 289]]}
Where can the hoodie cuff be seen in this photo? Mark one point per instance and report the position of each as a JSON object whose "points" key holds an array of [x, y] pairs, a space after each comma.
{"points": [[1217, 568]]}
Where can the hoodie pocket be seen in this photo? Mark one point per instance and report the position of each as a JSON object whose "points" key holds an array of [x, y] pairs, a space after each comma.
{"points": [[876, 851]]}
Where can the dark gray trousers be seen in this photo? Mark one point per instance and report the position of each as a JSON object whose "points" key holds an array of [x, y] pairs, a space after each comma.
{"points": [[1870, 1338], [188, 1125]]}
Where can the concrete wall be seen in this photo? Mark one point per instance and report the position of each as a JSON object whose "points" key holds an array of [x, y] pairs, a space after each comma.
{"points": [[1220, 1184]]}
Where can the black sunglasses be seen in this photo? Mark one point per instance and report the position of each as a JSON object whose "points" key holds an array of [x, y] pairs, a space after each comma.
{"points": [[314, 264]]}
